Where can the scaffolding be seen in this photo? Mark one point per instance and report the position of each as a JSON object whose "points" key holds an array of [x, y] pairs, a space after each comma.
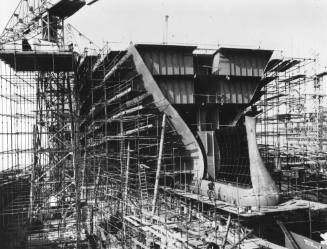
{"points": [[129, 148], [17, 119], [292, 126], [90, 157], [41, 199]]}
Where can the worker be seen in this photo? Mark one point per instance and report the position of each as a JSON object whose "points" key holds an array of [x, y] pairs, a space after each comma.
{"points": [[211, 190], [26, 46]]}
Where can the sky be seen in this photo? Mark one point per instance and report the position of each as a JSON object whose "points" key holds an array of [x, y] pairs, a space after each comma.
{"points": [[298, 27]]}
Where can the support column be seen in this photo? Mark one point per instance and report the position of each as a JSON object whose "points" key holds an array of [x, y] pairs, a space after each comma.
{"points": [[159, 164]]}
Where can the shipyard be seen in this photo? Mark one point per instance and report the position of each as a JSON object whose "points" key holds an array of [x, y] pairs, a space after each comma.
{"points": [[163, 136]]}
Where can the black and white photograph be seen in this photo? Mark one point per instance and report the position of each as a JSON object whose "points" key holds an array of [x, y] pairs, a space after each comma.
{"points": [[163, 124]]}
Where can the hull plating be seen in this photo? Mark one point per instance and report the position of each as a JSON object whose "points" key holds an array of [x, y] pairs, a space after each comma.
{"points": [[263, 191]]}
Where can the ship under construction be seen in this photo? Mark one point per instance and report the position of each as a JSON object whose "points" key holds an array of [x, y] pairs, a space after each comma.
{"points": [[156, 145]]}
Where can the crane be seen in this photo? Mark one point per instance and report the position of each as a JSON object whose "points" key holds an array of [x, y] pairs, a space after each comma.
{"points": [[42, 19], [24, 20]]}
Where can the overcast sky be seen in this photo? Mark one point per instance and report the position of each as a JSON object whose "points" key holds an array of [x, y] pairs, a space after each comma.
{"points": [[298, 27]]}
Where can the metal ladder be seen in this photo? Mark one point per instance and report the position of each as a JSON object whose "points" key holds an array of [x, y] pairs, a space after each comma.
{"points": [[123, 156], [143, 185]]}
